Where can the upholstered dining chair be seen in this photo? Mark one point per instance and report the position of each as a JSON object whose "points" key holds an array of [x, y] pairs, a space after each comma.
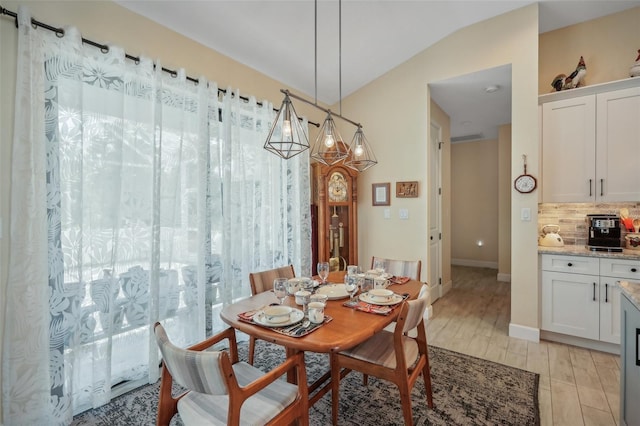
{"points": [[222, 390], [395, 357], [400, 268], [261, 282]]}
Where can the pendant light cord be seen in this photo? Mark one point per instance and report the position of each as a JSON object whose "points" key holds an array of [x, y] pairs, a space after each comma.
{"points": [[340, 56], [315, 50]]}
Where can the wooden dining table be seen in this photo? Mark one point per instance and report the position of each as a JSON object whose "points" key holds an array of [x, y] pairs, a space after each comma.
{"points": [[348, 326]]}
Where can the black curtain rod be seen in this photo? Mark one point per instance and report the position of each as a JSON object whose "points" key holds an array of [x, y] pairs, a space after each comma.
{"points": [[105, 49]]}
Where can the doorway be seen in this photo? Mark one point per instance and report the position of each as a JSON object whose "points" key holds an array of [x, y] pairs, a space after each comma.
{"points": [[478, 106]]}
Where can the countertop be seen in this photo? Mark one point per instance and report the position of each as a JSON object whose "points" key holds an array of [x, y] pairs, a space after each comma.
{"points": [[632, 291], [573, 250]]}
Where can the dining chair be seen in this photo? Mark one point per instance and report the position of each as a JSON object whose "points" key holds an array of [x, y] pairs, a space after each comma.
{"points": [[400, 268], [392, 356], [261, 282], [222, 390]]}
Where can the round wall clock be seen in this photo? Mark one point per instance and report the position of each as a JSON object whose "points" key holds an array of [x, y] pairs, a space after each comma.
{"points": [[525, 183]]}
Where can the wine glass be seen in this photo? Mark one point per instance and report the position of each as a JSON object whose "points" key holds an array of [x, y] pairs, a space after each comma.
{"points": [[323, 271], [378, 266], [280, 289], [352, 269], [351, 285]]}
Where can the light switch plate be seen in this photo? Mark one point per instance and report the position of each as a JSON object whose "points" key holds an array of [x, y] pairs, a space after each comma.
{"points": [[387, 213], [525, 214], [403, 213]]}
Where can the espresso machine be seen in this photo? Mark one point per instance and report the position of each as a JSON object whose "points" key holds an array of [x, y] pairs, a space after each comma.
{"points": [[604, 232]]}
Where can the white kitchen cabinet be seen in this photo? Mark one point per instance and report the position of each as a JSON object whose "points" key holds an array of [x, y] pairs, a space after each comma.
{"points": [[580, 296], [569, 305], [568, 149], [609, 310], [618, 145], [590, 145]]}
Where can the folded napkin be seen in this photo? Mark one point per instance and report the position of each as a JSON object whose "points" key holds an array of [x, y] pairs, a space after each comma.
{"points": [[248, 316], [372, 309], [399, 280]]}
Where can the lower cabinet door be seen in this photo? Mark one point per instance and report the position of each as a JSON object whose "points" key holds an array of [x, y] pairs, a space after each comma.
{"points": [[570, 304], [610, 310]]}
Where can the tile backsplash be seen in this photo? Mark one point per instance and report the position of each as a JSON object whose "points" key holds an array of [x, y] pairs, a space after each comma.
{"points": [[572, 218]]}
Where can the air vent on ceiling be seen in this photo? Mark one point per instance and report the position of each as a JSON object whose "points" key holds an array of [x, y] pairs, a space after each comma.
{"points": [[467, 138]]}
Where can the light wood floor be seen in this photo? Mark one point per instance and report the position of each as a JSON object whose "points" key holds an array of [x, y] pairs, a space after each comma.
{"points": [[577, 386]]}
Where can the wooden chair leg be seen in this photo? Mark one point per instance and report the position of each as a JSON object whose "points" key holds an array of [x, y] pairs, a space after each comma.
{"points": [[252, 348], [335, 388], [405, 399], [426, 375]]}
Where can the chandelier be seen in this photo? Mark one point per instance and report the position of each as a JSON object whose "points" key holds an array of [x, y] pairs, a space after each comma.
{"points": [[287, 137]]}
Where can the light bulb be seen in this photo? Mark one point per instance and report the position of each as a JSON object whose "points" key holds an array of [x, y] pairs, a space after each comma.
{"points": [[328, 140], [358, 151], [286, 130]]}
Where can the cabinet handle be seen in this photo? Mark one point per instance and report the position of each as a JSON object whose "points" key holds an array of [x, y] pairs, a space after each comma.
{"points": [[634, 270], [590, 192], [606, 292], [569, 264], [601, 187], [594, 292]]}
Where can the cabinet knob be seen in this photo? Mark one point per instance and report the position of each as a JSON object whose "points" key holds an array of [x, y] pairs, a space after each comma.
{"points": [[634, 270], [569, 264]]}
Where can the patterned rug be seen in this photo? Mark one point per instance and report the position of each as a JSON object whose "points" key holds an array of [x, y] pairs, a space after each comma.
{"points": [[466, 391]]}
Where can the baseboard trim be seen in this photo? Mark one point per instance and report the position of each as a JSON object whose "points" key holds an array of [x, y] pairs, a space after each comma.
{"points": [[597, 345], [523, 332], [475, 263], [504, 277]]}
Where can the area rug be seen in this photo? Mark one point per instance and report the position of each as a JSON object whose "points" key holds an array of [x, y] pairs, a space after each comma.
{"points": [[466, 391]]}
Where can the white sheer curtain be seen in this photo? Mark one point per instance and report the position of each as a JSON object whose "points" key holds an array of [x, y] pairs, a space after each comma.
{"points": [[131, 203]]}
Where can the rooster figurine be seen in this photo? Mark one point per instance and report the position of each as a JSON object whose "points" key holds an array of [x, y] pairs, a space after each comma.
{"points": [[563, 82], [635, 68]]}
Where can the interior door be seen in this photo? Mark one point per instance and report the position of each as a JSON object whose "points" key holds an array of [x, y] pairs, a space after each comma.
{"points": [[435, 214]]}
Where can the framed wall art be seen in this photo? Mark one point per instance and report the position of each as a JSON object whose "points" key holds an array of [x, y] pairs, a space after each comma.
{"points": [[407, 189], [380, 194]]}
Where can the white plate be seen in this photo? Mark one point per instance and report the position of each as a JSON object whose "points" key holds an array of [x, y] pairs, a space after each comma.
{"points": [[368, 299], [334, 291], [295, 317]]}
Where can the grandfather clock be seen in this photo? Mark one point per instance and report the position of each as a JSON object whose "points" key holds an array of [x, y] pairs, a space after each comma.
{"points": [[335, 195]]}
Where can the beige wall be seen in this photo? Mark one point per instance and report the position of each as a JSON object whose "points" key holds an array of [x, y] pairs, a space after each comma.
{"points": [[505, 186], [474, 196], [609, 46], [393, 109]]}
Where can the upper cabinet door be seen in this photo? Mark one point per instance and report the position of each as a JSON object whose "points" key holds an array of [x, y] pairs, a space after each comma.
{"points": [[618, 145], [568, 150]]}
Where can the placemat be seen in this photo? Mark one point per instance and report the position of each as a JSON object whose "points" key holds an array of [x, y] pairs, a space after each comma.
{"points": [[294, 330], [374, 309]]}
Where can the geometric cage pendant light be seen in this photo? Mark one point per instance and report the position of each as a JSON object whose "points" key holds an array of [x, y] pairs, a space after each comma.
{"points": [[360, 156], [329, 147], [287, 137]]}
